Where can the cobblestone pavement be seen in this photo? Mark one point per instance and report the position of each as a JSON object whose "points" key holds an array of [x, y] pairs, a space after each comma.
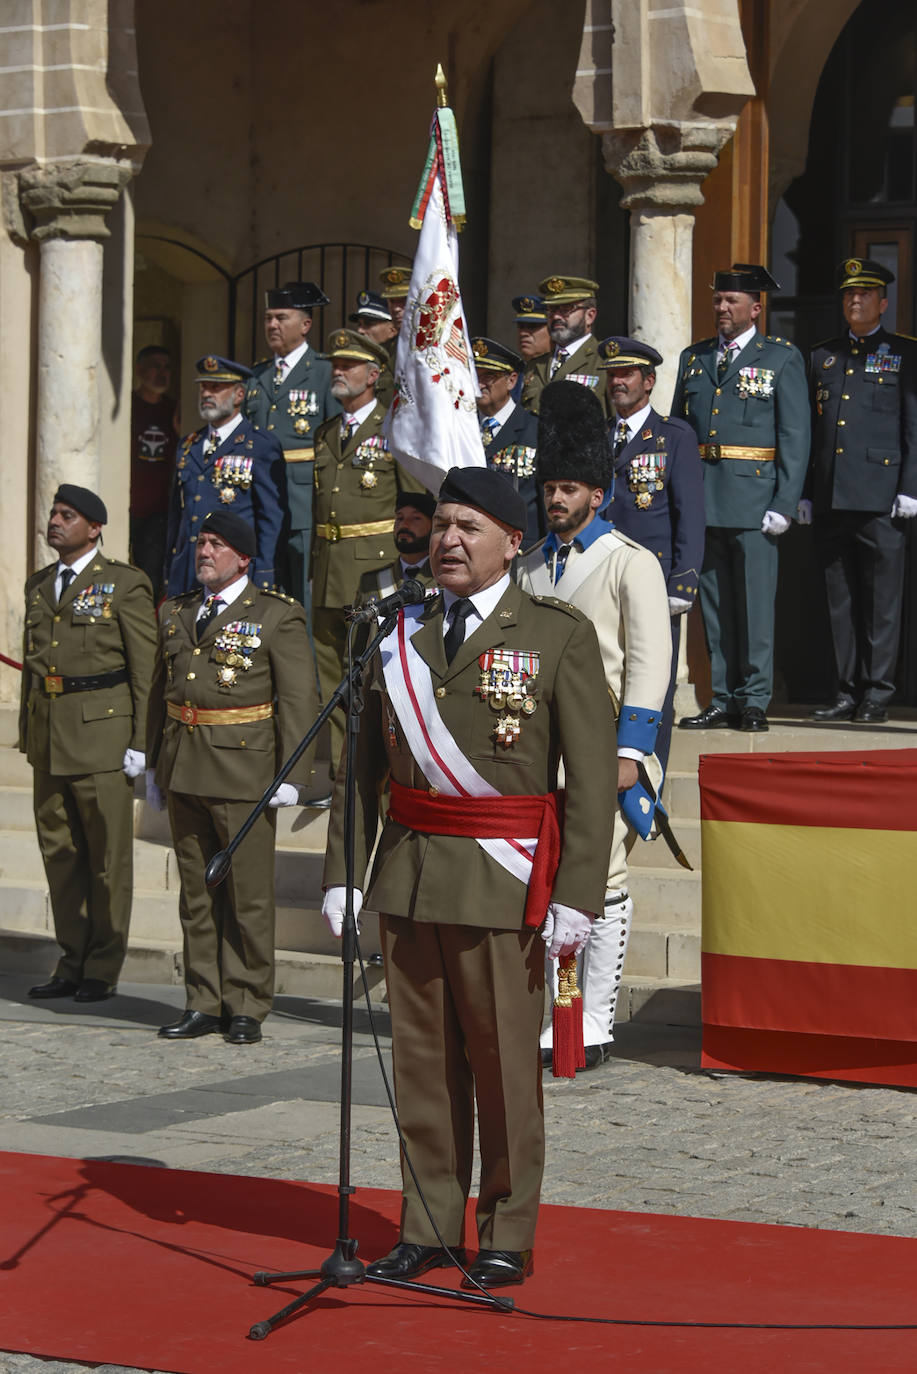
{"points": [[649, 1131]]}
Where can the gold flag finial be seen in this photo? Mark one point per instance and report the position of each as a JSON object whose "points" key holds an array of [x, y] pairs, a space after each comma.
{"points": [[440, 82]]}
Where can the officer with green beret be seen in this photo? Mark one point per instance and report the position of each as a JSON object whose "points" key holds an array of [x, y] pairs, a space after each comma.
{"points": [[289, 396], [570, 308], [356, 483], [746, 398], [89, 640]]}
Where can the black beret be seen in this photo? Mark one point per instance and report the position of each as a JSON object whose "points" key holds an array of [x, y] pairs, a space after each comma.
{"points": [[237, 532], [424, 501], [572, 437], [489, 491], [89, 505]]}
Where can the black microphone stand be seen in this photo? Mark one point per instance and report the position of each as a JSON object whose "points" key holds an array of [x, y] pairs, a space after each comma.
{"points": [[341, 1268]]}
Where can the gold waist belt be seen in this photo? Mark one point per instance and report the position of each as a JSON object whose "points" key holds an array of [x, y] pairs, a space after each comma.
{"points": [[229, 715], [299, 455], [712, 453], [335, 532]]}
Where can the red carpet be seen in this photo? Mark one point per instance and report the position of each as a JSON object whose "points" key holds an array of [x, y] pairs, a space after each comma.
{"points": [[126, 1264]]}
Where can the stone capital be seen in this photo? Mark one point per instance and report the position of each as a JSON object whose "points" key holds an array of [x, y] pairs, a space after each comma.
{"points": [[663, 167], [71, 200]]}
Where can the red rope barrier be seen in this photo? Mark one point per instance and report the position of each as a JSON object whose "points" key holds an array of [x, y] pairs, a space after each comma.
{"points": [[11, 662]]}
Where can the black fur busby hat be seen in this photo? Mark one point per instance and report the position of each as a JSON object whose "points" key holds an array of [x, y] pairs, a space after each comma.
{"points": [[572, 437]]}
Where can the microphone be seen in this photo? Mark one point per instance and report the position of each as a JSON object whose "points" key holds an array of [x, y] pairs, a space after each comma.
{"points": [[410, 593]]}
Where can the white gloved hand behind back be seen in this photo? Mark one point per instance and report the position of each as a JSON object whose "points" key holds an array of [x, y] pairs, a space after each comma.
{"points": [[333, 909]]}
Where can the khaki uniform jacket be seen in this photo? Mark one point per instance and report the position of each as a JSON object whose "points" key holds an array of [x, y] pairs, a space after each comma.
{"points": [[231, 760], [582, 366], [86, 732], [383, 581], [356, 485], [450, 879], [624, 595]]}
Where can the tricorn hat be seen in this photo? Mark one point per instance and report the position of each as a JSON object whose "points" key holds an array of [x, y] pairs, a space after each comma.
{"points": [[750, 277], [572, 437]]}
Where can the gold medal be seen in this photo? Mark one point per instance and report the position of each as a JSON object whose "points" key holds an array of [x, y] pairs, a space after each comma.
{"points": [[227, 495], [507, 731], [226, 677], [369, 480]]}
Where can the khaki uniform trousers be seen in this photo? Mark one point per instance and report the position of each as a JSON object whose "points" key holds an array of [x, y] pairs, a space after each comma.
{"points": [[85, 830], [466, 1005], [228, 932], [329, 631]]}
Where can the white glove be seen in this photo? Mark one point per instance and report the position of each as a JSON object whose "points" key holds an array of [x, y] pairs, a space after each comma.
{"points": [[134, 763], [333, 909], [154, 794], [905, 507], [804, 512], [287, 794], [774, 523], [565, 930], [677, 606]]}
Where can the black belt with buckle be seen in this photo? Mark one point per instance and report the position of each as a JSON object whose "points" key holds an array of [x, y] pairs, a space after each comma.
{"points": [[56, 686]]}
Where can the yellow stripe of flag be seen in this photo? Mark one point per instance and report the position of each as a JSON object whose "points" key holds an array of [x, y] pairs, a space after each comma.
{"points": [[811, 893]]}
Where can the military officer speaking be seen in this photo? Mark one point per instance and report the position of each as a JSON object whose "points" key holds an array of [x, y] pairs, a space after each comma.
{"points": [[289, 396], [509, 433], [356, 483], [658, 495], [570, 308], [227, 463], [233, 694], [862, 487], [90, 635], [474, 698], [745, 396]]}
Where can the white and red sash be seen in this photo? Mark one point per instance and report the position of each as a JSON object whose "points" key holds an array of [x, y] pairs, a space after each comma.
{"points": [[436, 753]]}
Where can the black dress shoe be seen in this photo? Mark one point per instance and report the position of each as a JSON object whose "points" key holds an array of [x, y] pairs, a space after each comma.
{"points": [[243, 1030], [713, 718], [93, 990], [753, 720], [406, 1261], [547, 1058], [842, 708], [191, 1025], [497, 1268], [871, 713], [595, 1055], [55, 987]]}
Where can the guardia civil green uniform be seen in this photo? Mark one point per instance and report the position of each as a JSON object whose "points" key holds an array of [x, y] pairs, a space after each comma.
{"points": [[752, 427], [225, 712], [87, 664]]}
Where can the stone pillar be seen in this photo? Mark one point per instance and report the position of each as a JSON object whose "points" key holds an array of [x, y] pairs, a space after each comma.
{"points": [[661, 172], [68, 204]]}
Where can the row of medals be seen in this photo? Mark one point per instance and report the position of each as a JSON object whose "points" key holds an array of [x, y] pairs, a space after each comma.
{"points": [[368, 450], [230, 472], [233, 649], [300, 404], [508, 680], [95, 601], [755, 381], [644, 477]]}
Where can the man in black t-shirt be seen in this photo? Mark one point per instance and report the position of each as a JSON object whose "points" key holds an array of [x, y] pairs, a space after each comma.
{"points": [[154, 437]]}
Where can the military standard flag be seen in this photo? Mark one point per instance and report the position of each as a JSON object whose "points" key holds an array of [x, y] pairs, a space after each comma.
{"points": [[433, 422]]}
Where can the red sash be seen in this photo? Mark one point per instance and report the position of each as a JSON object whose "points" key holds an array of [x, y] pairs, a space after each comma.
{"points": [[491, 818]]}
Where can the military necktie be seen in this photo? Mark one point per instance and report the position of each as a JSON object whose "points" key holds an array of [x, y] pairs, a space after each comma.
{"points": [[66, 578], [722, 366], [557, 362], [454, 637], [620, 438], [211, 443], [279, 369], [489, 426], [348, 428], [212, 607], [560, 560]]}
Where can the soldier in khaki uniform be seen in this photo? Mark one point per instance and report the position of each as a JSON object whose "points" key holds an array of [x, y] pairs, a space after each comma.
{"points": [[413, 524], [356, 483], [464, 970], [233, 694], [570, 308], [90, 633], [396, 283]]}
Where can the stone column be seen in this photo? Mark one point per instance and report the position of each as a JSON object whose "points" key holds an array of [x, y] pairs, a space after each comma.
{"points": [[67, 204]]}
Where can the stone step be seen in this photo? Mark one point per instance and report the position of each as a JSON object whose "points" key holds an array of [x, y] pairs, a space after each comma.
{"points": [[663, 953], [793, 732], [662, 1001], [665, 898], [15, 770], [9, 715], [296, 974], [682, 799]]}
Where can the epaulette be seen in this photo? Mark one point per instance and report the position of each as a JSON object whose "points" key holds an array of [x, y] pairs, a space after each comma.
{"points": [[556, 604], [826, 343], [910, 337], [39, 574], [120, 563], [771, 338], [281, 596], [194, 595]]}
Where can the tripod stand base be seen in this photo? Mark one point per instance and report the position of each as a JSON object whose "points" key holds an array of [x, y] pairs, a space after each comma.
{"points": [[340, 1270]]}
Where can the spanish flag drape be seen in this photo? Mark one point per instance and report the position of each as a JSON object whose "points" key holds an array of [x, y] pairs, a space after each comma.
{"points": [[809, 944]]}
